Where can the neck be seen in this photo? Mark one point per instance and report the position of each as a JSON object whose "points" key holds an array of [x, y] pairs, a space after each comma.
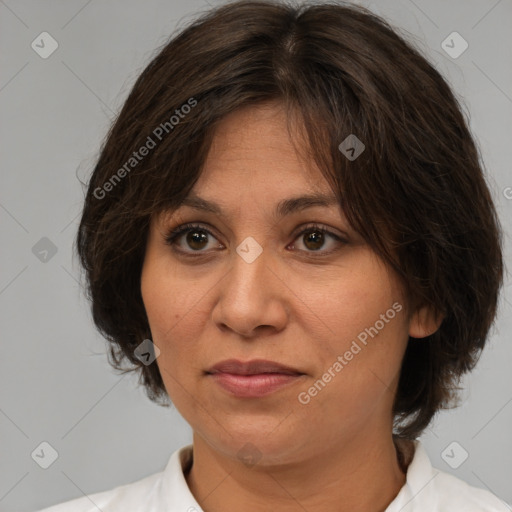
{"points": [[360, 475]]}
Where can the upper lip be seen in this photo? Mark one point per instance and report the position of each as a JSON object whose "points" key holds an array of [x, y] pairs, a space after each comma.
{"points": [[253, 367]]}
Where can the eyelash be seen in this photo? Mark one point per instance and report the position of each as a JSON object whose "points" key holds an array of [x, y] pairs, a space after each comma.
{"points": [[174, 234]]}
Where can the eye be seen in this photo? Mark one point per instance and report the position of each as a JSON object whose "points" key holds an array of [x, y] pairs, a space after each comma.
{"points": [[313, 238], [196, 239]]}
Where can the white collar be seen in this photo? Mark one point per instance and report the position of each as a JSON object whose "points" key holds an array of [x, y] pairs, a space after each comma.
{"points": [[420, 474], [176, 494]]}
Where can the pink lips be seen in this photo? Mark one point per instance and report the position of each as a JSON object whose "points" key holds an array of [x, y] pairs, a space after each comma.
{"points": [[254, 378]]}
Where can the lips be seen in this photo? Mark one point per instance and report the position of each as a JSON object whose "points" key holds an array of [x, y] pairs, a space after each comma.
{"points": [[253, 367], [254, 379]]}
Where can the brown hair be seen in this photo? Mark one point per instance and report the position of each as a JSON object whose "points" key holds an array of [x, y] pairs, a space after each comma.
{"points": [[417, 192]]}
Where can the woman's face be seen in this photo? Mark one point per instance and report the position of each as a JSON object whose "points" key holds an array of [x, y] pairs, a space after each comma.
{"points": [[258, 287]]}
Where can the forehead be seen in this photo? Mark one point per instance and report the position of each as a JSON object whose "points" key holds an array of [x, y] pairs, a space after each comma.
{"points": [[253, 153], [255, 166]]}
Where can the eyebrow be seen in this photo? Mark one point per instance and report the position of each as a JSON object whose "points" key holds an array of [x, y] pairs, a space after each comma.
{"points": [[283, 208]]}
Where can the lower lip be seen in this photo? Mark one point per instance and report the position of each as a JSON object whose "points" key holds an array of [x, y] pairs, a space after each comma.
{"points": [[253, 386]]}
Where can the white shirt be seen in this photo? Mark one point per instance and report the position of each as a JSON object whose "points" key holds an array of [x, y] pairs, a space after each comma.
{"points": [[426, 490]]}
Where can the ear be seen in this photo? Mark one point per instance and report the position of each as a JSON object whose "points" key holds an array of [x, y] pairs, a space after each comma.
{"points": [[424, 322]]}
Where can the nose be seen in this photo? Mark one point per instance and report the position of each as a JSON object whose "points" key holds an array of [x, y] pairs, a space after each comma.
{"points": [[253, 298]]}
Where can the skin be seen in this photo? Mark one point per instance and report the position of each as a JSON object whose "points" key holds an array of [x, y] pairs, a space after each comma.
{"points": [[291, 305]]}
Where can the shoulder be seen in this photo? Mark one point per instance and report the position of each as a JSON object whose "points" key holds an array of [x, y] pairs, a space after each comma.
{"points": [[456, 494], [431, 489], [163, 491], [122, 498]]}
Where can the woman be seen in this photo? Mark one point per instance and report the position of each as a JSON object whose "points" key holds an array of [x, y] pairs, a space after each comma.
{"points": [[289, 236]]}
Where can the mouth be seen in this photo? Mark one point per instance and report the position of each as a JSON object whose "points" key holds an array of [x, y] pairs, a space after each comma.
{"points": [[253, 367], [253, 379]]}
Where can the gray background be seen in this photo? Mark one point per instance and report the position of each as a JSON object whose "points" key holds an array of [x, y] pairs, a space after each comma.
{"points": [[55, 382]]}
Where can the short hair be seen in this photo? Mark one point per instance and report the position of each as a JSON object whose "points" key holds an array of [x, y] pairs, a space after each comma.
{"points": [[417, 193]]}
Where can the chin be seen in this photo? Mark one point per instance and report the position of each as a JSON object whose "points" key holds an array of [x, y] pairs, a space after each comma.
{"points": [[261, 446]]}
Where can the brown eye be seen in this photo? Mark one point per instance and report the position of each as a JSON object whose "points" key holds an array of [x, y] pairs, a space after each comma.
{"points": [[196, 239], [314, 240]]}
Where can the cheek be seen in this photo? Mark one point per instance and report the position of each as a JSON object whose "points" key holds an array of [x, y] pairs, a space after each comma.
{"points": [[161, 296], [368, 332], [168, 296], [175, 304], [353, 299], [362, 373]]}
